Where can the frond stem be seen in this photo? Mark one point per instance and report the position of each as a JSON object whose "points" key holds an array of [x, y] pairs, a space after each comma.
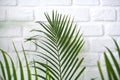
{"points": [[59, 60]]}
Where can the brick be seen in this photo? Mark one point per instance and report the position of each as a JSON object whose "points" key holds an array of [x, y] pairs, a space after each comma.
{"points": [[91, 29], [110, 2], [18, 43], [7, 2], [99, 44], [4, 43], [91, 72], [103, 14], [20, 14], [86, 2], [45, 2], [30, 26], [112, 29], [79, 14], [90, 59], [86, 46], [2, 15], [10, 30], [118, 15]]}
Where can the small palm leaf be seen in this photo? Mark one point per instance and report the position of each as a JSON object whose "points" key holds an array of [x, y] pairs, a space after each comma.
{"points": [[7, 66], [47, 72], [7, 74], [27, 65], [113, 71], [36, 78], [61, 45], [3, 71]]}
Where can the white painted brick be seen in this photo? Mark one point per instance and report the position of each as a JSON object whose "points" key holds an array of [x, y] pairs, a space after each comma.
{"points": [[4, 43], [91, 72], [30, 26], [99, 44], [110, 2], [86, 2], [45, 2], [7, 2], [103, 14], [18, 43], [112, 29], [91, 29], [90, 59], [118, 15], [79, 14], [20, 14], [86, 46], [2, 15], [10, 30]]}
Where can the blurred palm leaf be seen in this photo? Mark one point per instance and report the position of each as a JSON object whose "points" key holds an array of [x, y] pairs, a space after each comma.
{"points": [[5, 69], [60, 47], [113, 71]]}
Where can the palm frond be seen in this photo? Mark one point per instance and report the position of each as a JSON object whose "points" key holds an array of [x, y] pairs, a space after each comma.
{"points": [[113, 70], [61, 45], [9, 71], [7, 66]]}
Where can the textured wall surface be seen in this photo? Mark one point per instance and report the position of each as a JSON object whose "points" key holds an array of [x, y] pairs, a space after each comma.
{"points": [[99, 20]]}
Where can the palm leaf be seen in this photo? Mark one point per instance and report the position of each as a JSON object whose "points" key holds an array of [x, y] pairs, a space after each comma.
{"points": [[27, 65], [7, 66], [7, 74], [20, 64], [7, 70], [47, 72], [100, 70], [113, 71], [62, 44], [36, 78], [3, 70]]}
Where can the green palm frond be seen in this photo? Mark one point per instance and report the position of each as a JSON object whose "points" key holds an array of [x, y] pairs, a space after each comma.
{"points": [[113, 70], [7, 66], [47, 72], [5, 69], [61, 45]]}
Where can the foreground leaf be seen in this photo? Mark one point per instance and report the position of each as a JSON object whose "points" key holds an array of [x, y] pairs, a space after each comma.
{"points": [[60, 47]]}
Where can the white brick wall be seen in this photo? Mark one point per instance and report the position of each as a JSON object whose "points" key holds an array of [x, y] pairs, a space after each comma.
{"points": [[99, 20], [8, 2], [80, 14], [112, 29], [19, 14], [45, 2], [8, 29], [2, 15], [98, 44], [118, 15], [103, 14], [110, 2], [91, 29], [86, 2]]}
